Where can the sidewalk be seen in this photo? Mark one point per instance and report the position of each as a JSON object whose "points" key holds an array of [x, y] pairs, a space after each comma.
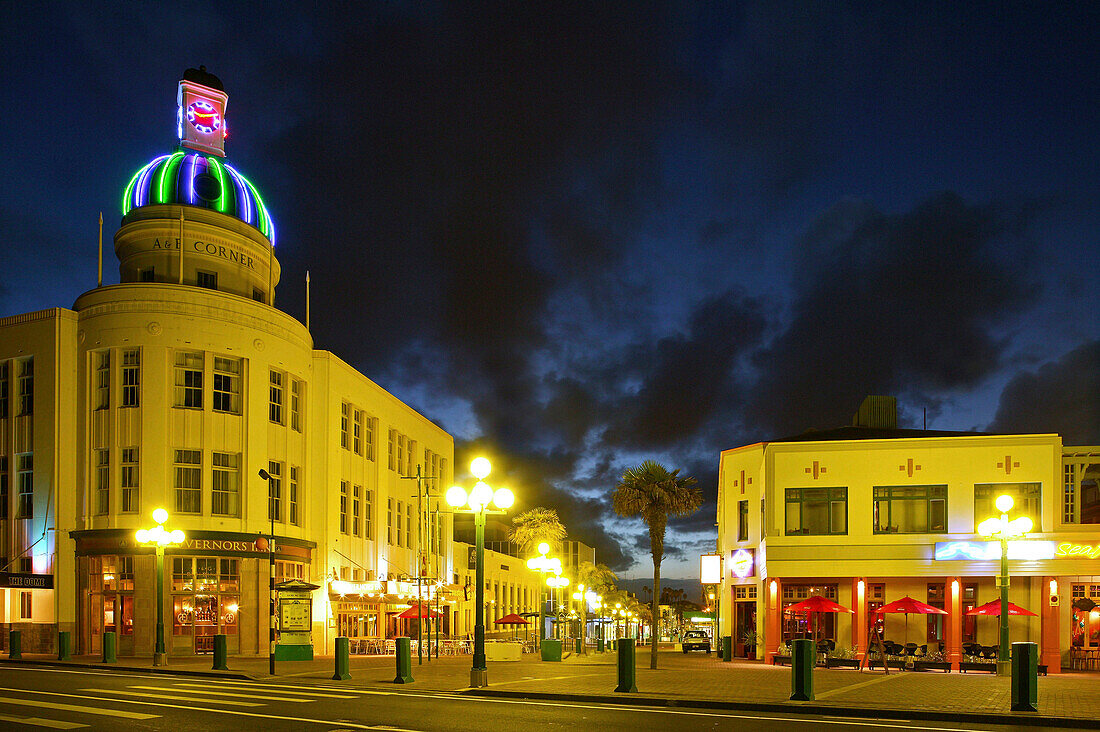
{"points": [[1069, 699]]}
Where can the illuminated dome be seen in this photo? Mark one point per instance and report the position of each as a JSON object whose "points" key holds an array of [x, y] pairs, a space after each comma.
{"points": [[194, 179]]}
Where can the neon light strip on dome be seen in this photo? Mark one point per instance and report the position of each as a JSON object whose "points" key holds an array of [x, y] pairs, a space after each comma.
{"points": [[242, 195], [191, 179], [266, 225], [141, 195], [129, 190], [162, 197], [217, 166]]}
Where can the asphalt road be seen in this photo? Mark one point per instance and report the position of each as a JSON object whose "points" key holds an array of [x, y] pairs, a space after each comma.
{"points": [[34, 698]]}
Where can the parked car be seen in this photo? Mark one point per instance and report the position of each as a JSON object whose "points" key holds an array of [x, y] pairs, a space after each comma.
{"points": [[695, 640]]}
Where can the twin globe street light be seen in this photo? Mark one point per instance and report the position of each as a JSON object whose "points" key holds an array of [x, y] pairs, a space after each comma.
{"points": [[1004, 529], [160, 538], [478, 502]]}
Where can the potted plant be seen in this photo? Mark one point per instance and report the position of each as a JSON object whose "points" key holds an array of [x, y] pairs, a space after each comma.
{"points": [[842, 658], [782, 655], [932, 661], [749, 641], [977, 663]]}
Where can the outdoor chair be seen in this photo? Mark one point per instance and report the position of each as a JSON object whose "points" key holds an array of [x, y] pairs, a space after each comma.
{"points": [[989, 652], [972, 649], [923, 650], [910, 649]]}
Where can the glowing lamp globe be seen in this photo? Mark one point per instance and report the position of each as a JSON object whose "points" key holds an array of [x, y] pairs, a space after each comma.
{"points": [[482, 493], [480, 468], [544, 548], [989, 527], [1024, 525], [142, 536], [160, 515], [504, 498], [456, 496], [177, 536], [1004, 503]]}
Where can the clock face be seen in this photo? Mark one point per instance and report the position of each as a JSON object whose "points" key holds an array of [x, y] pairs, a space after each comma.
{"points": [[204, 117]]}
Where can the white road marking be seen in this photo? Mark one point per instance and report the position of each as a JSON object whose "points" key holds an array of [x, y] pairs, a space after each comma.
{"points": [[281, 689], [40, 722], [72, 707], [145, 694], [227, 693]]}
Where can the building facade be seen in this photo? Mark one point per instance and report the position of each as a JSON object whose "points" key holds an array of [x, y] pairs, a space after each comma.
{"points": [[866, 515], [174, 389]]}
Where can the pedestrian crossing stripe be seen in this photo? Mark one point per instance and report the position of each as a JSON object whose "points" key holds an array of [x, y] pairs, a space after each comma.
{"points": [[147, 695], [279, 688], [72, 707], [226, 693], [41, 722]]}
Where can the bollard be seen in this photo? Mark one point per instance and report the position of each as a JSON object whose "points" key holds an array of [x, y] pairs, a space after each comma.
{"points": [[15, 645], [343, 665], [64, 646], [627, 672], [220, 653], [803, 657], [109, 655], [599, 645], [404, 662], [613, 643], [579, 645], [1025, 677], [727, 648], [551, 650]]}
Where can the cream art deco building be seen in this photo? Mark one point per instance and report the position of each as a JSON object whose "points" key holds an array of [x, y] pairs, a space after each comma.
{"points": [[867, 514], [174, 389]]}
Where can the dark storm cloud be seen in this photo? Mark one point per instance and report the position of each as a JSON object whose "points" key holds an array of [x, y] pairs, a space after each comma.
{"points": [[1062, 396], [891, 302]]}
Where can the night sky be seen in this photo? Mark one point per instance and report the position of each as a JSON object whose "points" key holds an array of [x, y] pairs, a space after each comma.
{"points": [[582, 235]]}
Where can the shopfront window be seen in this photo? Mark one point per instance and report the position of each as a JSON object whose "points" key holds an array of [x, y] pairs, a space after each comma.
{"points": [[910, 509], [183, 576], [206, 600], [804, 625], [969, 622], [1026, 498], [206, 574], [1085, 628], [936, 598], [817, 511], [110, 589]]}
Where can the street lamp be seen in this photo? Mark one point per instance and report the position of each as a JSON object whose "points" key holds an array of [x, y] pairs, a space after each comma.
{"points": [[160, 537], [554, 583], [271, 569], [477, 502], [544, 564], [1004, 529]]}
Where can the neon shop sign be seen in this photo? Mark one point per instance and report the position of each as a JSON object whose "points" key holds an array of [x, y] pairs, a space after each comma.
{"points": [[984, 551]]}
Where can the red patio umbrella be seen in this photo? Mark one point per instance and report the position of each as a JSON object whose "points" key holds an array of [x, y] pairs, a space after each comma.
{"points": [[909, 605], [418, 611], [513, 620], [817, 604], [994, 608]]}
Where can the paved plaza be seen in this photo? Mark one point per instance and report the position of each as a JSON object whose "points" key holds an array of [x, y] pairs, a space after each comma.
{"points": [[686, 679]]}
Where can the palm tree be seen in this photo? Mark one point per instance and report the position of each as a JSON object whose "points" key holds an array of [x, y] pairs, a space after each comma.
{"points": [[529, 529], [600, 579], [654, 493]]}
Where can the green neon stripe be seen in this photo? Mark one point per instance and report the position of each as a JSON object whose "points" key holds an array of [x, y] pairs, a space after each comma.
{"points": [[174, 160], [217, 166], [265, 225], [130, 189]]}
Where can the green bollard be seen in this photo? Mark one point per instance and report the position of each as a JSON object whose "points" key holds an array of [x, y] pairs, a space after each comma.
{"points": [[727, 648], [404, 662], [343, 664], [15, 645], [64, 646], [579, 646], [803, 657], [551, 649], [220, 653], [627, 672], [1025, 677], [599, 645], [109, 655], [613, 643]]}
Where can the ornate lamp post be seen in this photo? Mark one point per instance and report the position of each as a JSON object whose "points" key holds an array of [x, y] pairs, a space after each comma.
{"points": [[160, 538], [1004, 530], [555, 583], [544, 564], [478, 502]]}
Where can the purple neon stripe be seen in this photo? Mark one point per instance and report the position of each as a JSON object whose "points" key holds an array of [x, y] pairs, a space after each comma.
{"points": [[191, 180], [141, 193], [242, 196]]}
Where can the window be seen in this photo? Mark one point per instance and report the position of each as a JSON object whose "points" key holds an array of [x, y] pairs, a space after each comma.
{"points": [[400, 511], [1081, 491], [296, 405], [356, 493], [102, 481], [259, 295], [147, 275], [209, 280], [408, 524], [910, 509], [275, 491], [742, 520], [275, 410], [1027, 501], [131, 377], [410, 458], [817, 511], [392, 450], [189, 380], [229, 579], [357, 434], [372, 429], [130, 477], [188, 469], [343, 507], [227, 385], [225, 483], [4, 497], [25, 605], [4, 386], [389, 521], [292, 498], [25, 484], [368, 513], [1069, 493], [344, 409], [26, 386], [103, 380], [26, 565]]}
